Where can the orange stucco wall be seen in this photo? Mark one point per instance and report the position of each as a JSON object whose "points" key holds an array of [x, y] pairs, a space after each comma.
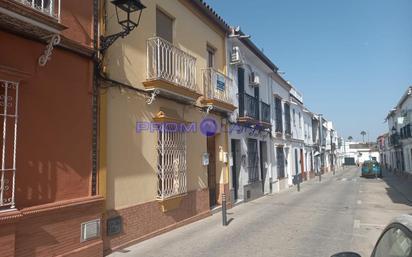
{"points": [[55, 122], [77, 16]]}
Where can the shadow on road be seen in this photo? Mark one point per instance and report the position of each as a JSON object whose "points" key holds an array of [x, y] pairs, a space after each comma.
{"points": [[398, 188]]}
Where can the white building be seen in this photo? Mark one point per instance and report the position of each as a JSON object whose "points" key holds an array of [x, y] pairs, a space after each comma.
{"points": [[398, 150], [281, 132], [309, 143], [297, 153], [358, 153], [250, 138]]}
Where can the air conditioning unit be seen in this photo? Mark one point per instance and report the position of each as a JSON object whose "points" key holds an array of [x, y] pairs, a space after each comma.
{"points": [[254, 79], [235, 55]]}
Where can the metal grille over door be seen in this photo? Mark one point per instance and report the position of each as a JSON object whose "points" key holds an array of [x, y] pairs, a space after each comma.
{"points": [[8, 113], [280, 160], [171, 150], [253, 160]]}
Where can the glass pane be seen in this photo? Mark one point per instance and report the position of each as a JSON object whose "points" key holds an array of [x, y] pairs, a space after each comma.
{"points": [[394, 243]]}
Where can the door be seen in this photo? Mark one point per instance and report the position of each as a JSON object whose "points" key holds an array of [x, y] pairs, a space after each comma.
{"points": [[302, 162], [236, 167], [253, 160], [280, 161], [311, 162], [211, 170], [164, 58], [263, 163], [296, 164]]}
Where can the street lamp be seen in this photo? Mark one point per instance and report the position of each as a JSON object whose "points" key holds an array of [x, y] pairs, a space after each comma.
{"points": [[129, 7]]}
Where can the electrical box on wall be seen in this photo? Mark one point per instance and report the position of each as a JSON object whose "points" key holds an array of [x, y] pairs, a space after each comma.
{"points": [[114, 226]]}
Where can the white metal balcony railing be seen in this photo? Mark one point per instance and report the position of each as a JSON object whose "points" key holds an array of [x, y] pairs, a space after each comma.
{"points": [[49, 7], [167, 62], [8, 119], [217, 85]]}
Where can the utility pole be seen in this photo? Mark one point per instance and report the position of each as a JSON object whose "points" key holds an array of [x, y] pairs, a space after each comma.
{"points": [[333, 160], [320, 146]]}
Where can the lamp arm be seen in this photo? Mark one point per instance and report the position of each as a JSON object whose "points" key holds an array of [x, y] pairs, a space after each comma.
{"points": [[106, 42]]}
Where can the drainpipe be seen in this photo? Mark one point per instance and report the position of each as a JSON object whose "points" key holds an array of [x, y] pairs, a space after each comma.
{"points": [[271, 157], [95, 104]]}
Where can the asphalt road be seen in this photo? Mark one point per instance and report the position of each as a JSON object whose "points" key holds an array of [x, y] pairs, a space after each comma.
{"points": [[343, 212]]}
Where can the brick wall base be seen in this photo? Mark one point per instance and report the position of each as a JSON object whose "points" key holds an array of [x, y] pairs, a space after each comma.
{"points": [[144, 221], [50, 230]]}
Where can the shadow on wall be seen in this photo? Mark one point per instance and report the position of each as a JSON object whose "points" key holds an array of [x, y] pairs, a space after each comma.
{"points": [[54, 136]]}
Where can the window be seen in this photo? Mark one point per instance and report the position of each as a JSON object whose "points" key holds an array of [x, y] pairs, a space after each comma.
{"points": [[210, 56], [294, 118], [300, 120], [288, 129], [8, 125], [278, 113], [171, 148], [164, 26], [253, 160]]}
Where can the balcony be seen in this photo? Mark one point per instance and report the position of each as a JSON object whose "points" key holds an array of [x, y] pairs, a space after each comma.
{"points": [[248, 108], [38, 18], [170, 70], [217, 88], [252, 111]]}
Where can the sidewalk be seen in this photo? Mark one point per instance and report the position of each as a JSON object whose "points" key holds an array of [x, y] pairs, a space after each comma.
{"points": [[247, 218]]}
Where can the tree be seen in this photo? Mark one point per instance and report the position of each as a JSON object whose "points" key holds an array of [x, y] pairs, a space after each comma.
{"points": [[363, 133], [350, 138]]}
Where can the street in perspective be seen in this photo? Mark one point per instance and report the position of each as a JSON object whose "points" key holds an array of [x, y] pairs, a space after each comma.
{"points": [[346, 212], [196, 128]]}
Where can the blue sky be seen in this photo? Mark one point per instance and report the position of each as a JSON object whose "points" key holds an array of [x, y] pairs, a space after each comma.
{"points": [[352, 59]]}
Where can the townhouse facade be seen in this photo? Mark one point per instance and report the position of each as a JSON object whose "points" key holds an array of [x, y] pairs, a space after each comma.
{"points": [[49, 203], [396, 145], [164, 79], [296, 156], [281, 132], [250, 139], [309, 161]]}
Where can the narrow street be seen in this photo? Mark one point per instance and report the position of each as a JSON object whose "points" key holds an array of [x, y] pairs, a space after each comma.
{"points": [[343, 212]]}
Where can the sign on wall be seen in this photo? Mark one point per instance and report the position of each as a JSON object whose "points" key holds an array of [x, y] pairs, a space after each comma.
{"points": [[220, 82]]}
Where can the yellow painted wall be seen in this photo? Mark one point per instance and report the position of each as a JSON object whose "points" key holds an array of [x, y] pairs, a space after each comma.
{"points": [[127, 57], [132, 157]]}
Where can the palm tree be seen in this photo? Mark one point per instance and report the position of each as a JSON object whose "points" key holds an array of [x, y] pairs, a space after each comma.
{"points": [[363, 133], [350, 138]]}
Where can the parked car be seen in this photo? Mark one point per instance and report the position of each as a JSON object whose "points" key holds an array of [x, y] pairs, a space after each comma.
{"points": [[395, 240], [371, 169]]}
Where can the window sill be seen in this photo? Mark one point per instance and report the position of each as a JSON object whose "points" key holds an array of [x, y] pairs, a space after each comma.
{"points": [[171, 203]]}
